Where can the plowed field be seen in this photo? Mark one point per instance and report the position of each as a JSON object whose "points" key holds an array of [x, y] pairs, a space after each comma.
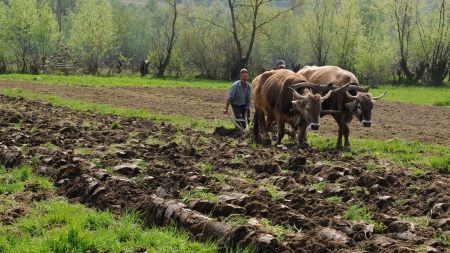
{"points": [[148, 166]]}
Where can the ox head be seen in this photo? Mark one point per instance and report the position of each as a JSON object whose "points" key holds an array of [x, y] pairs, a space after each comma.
{"points": [[362, 106], [308, 105]]}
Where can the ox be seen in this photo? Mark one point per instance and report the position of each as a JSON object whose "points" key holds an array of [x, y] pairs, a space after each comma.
{"points": [[276, 99], [359, 104]]}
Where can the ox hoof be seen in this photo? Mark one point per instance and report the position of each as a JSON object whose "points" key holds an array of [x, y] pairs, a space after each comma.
{"points": [[304, 145], [267, 142], [346, 149]]}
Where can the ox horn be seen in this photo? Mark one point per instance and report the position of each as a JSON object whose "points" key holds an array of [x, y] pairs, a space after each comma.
{"points": [[297, 95], [357, 88], [341, 88], [380, 96], [303, 85], [327, 96], [350, 95]]}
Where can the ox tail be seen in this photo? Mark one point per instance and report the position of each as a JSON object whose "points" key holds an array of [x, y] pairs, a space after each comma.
{"points": [[255, 127]]}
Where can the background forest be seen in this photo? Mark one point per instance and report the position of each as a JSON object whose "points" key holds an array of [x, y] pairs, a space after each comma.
{"points": [[396, 41]]}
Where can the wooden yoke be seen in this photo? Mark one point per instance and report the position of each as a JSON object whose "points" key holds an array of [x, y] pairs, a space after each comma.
{"points": [[328, 87]]}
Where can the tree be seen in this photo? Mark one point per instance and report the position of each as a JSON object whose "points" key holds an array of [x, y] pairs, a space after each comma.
{"points": [[204, 44], [47, 34], [434, 46], [332, 31], [280, 40], [92, 32], [3, 38], [22, 23], [246, 19], [122, 17], [165, 23], [318, 27], [401, 16], [349, 30]]}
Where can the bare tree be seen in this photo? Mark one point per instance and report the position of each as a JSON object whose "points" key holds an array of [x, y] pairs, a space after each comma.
{"points": [[247, 18], [434, 28], [165, 37], [401, 16]]}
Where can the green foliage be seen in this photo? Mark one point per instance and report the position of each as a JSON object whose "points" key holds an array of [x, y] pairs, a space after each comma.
{"points": [[4, 34], [92, 33]]}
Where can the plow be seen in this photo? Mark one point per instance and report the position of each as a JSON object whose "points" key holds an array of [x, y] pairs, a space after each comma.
{"points": [[241, 124]]}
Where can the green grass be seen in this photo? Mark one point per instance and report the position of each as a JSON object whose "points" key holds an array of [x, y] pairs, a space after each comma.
{"points": [[408, 94], [115, 81], [14, 180], [186, 196], [77, 105], [359, 212], [83, 151], [335, 199], [236, 219], [51, 226], [320, 186], [59, 226], [401, 152], [415, 94]]}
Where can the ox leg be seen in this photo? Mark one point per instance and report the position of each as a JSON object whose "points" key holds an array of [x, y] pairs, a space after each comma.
{"points": [[301, 138], [256, 130], [262, 130], [343, 131], [292, 134], [280, 130]]}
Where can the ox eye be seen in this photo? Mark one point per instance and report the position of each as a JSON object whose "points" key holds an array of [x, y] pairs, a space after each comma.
{"points": [[307, 109], [359, 107]]}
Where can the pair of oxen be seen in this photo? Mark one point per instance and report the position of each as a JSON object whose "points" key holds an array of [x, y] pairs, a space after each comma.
{"points": [[283, 96]]}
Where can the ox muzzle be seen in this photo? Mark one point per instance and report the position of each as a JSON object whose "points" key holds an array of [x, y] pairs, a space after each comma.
{"points": [[314, 126], [366, 123]]}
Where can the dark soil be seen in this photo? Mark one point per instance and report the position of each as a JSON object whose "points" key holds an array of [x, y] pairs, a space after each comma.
{"points": [[126, 171]]}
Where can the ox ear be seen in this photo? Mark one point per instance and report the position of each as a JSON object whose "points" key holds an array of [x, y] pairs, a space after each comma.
{"points": [[351, 106]]}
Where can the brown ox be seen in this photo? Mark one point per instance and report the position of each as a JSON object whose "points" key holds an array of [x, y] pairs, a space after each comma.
{"points": [[360, 103], [276, 99]]}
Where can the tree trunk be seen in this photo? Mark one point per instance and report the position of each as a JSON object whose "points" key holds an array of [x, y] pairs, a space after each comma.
{"points": [[406, 71]]}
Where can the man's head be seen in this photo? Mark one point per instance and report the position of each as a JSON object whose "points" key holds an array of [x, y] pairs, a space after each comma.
{"points": [[243, 75], [280, 64]]}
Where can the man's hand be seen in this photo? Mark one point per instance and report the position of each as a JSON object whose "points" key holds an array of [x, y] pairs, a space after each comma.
{"points": [[225, 111]]}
